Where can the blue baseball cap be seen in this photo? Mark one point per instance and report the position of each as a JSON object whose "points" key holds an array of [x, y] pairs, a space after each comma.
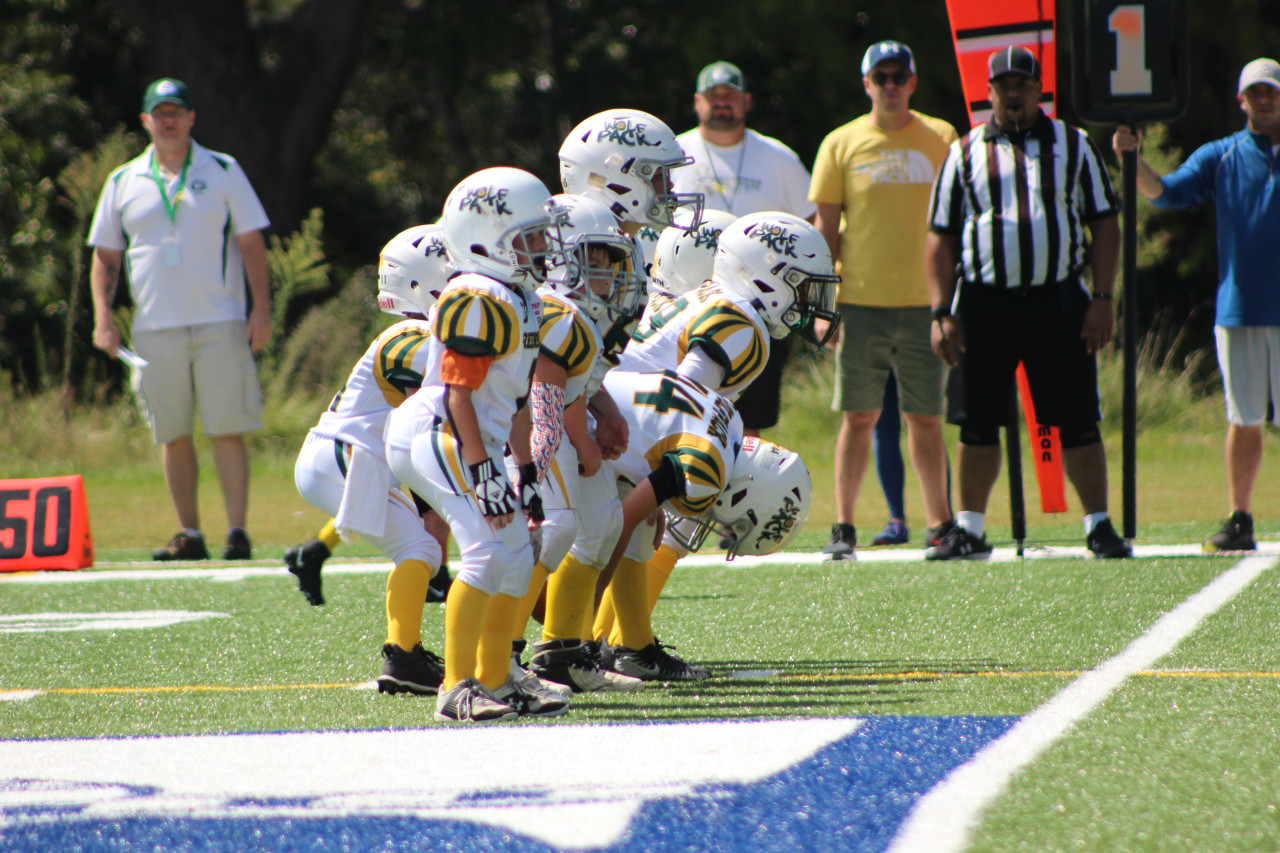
{"points": [[883, 51]]}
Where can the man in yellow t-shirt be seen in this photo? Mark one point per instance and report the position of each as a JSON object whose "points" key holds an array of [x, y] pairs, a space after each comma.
{"points": [[871, 181]]}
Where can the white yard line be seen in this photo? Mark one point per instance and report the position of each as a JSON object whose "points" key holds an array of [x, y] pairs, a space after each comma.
{"points": [[258, 569], [943, 818]]}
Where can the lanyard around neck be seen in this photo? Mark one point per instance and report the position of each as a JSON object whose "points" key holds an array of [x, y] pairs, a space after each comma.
{"points": [[170, 207], [737, 177]]}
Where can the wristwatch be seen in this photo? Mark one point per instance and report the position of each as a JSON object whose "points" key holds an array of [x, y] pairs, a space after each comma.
{"points": [[941, 311], [1103, 296]]}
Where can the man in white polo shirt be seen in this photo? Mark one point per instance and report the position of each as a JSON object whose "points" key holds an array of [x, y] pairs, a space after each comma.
{"points": [[742, 172], [187, 226]]}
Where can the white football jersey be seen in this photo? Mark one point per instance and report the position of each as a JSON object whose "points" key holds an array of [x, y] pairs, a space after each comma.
{"points": [[390, 370], [671, 415], [480, 316], [721, 323]]}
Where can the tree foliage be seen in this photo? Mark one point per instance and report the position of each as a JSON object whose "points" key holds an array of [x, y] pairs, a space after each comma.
{"points": [[370, 110]]}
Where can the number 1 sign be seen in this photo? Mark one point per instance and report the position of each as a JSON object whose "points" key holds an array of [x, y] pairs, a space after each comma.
{"points": [[1129, 60]]}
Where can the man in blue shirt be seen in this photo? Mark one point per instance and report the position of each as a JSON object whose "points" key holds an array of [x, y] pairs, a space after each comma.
{"points": [[1239, 173]]}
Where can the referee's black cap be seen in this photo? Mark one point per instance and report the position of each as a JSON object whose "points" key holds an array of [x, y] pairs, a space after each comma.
{"points": [[1013, 60]]}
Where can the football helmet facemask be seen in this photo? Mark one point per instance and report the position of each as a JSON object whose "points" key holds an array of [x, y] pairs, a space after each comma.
{"points": [[764, 506], [623, 158], [783, 265], [611, 287], [496, 222], [684, 256], [412, 269]]}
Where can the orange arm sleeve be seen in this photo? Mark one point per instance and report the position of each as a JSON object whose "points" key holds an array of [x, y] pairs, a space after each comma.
{"points": [[468, 371]]}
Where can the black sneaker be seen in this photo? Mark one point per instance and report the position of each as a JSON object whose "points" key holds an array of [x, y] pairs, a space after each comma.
{"points": [[182, 547], [438, 587], [578, 666], [1106, 544], [1236, 535], [237, 547], [654, 663], [934, 535], [306, 561], [843, 540], [959, 544], [418, 671]]}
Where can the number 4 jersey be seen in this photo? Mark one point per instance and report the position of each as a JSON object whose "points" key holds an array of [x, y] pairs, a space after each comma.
{"points": [[674, 417]]}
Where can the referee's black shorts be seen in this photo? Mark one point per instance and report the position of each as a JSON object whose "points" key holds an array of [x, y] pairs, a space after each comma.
{"points": [[1039, 326]]}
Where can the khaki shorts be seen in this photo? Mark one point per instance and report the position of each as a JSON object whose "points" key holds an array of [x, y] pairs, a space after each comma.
{"points": [[874, 341], [1249, 358], [209, 366]]}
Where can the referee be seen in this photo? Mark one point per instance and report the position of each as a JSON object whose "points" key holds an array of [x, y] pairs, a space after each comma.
{"points": [[1010, 206]]}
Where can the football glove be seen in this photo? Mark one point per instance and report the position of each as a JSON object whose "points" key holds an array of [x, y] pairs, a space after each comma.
{"points": [[493, 492], [530, 496]]}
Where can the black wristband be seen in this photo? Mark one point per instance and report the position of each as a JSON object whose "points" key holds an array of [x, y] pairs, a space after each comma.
{"points": [[940, 312], [1103, 296]]}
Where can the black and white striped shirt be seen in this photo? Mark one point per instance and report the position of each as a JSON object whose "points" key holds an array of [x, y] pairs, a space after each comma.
{"points": [[1019, 207]]}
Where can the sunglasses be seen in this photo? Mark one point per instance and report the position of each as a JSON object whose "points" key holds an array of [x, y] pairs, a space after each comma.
{"points": [[899, 78]]}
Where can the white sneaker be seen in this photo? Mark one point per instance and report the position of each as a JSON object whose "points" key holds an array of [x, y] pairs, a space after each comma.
{"points": [[530, 697], [522, 675], [469, 702]]}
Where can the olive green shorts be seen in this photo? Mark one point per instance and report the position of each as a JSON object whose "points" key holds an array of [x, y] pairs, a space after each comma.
{"points": [[874, 341]]}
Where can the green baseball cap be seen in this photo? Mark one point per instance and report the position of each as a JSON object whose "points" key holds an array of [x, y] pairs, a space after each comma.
{"points": [[166, 90], [721, 73]]}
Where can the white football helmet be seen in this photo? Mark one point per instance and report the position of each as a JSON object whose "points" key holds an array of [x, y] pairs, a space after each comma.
{"points": [[496, 222], [412, 270], [783, 265], [684, 257], [764, 506], [614, 289], [623, 158]]}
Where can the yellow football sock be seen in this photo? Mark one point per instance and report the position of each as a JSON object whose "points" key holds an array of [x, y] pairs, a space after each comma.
{"points": [[329, 536], [464, 617], [602, 625], [493, 663], [570, 592], [406, 595], [530, 600], [629, 590], [660, 567]]}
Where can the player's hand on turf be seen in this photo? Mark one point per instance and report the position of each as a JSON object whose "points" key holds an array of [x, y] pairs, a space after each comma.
{"points": [[530, 495], [493, 492]]}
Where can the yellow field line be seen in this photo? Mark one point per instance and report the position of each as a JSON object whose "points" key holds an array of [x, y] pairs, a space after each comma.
{"points": [[856, 676], [185, 688]]}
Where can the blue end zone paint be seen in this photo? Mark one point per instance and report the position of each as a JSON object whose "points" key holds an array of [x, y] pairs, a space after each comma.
{"points": [[850, 796]]}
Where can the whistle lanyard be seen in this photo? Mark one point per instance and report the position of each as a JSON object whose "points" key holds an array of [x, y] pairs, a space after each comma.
{"points": [[737, 176], [170, 207]]}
